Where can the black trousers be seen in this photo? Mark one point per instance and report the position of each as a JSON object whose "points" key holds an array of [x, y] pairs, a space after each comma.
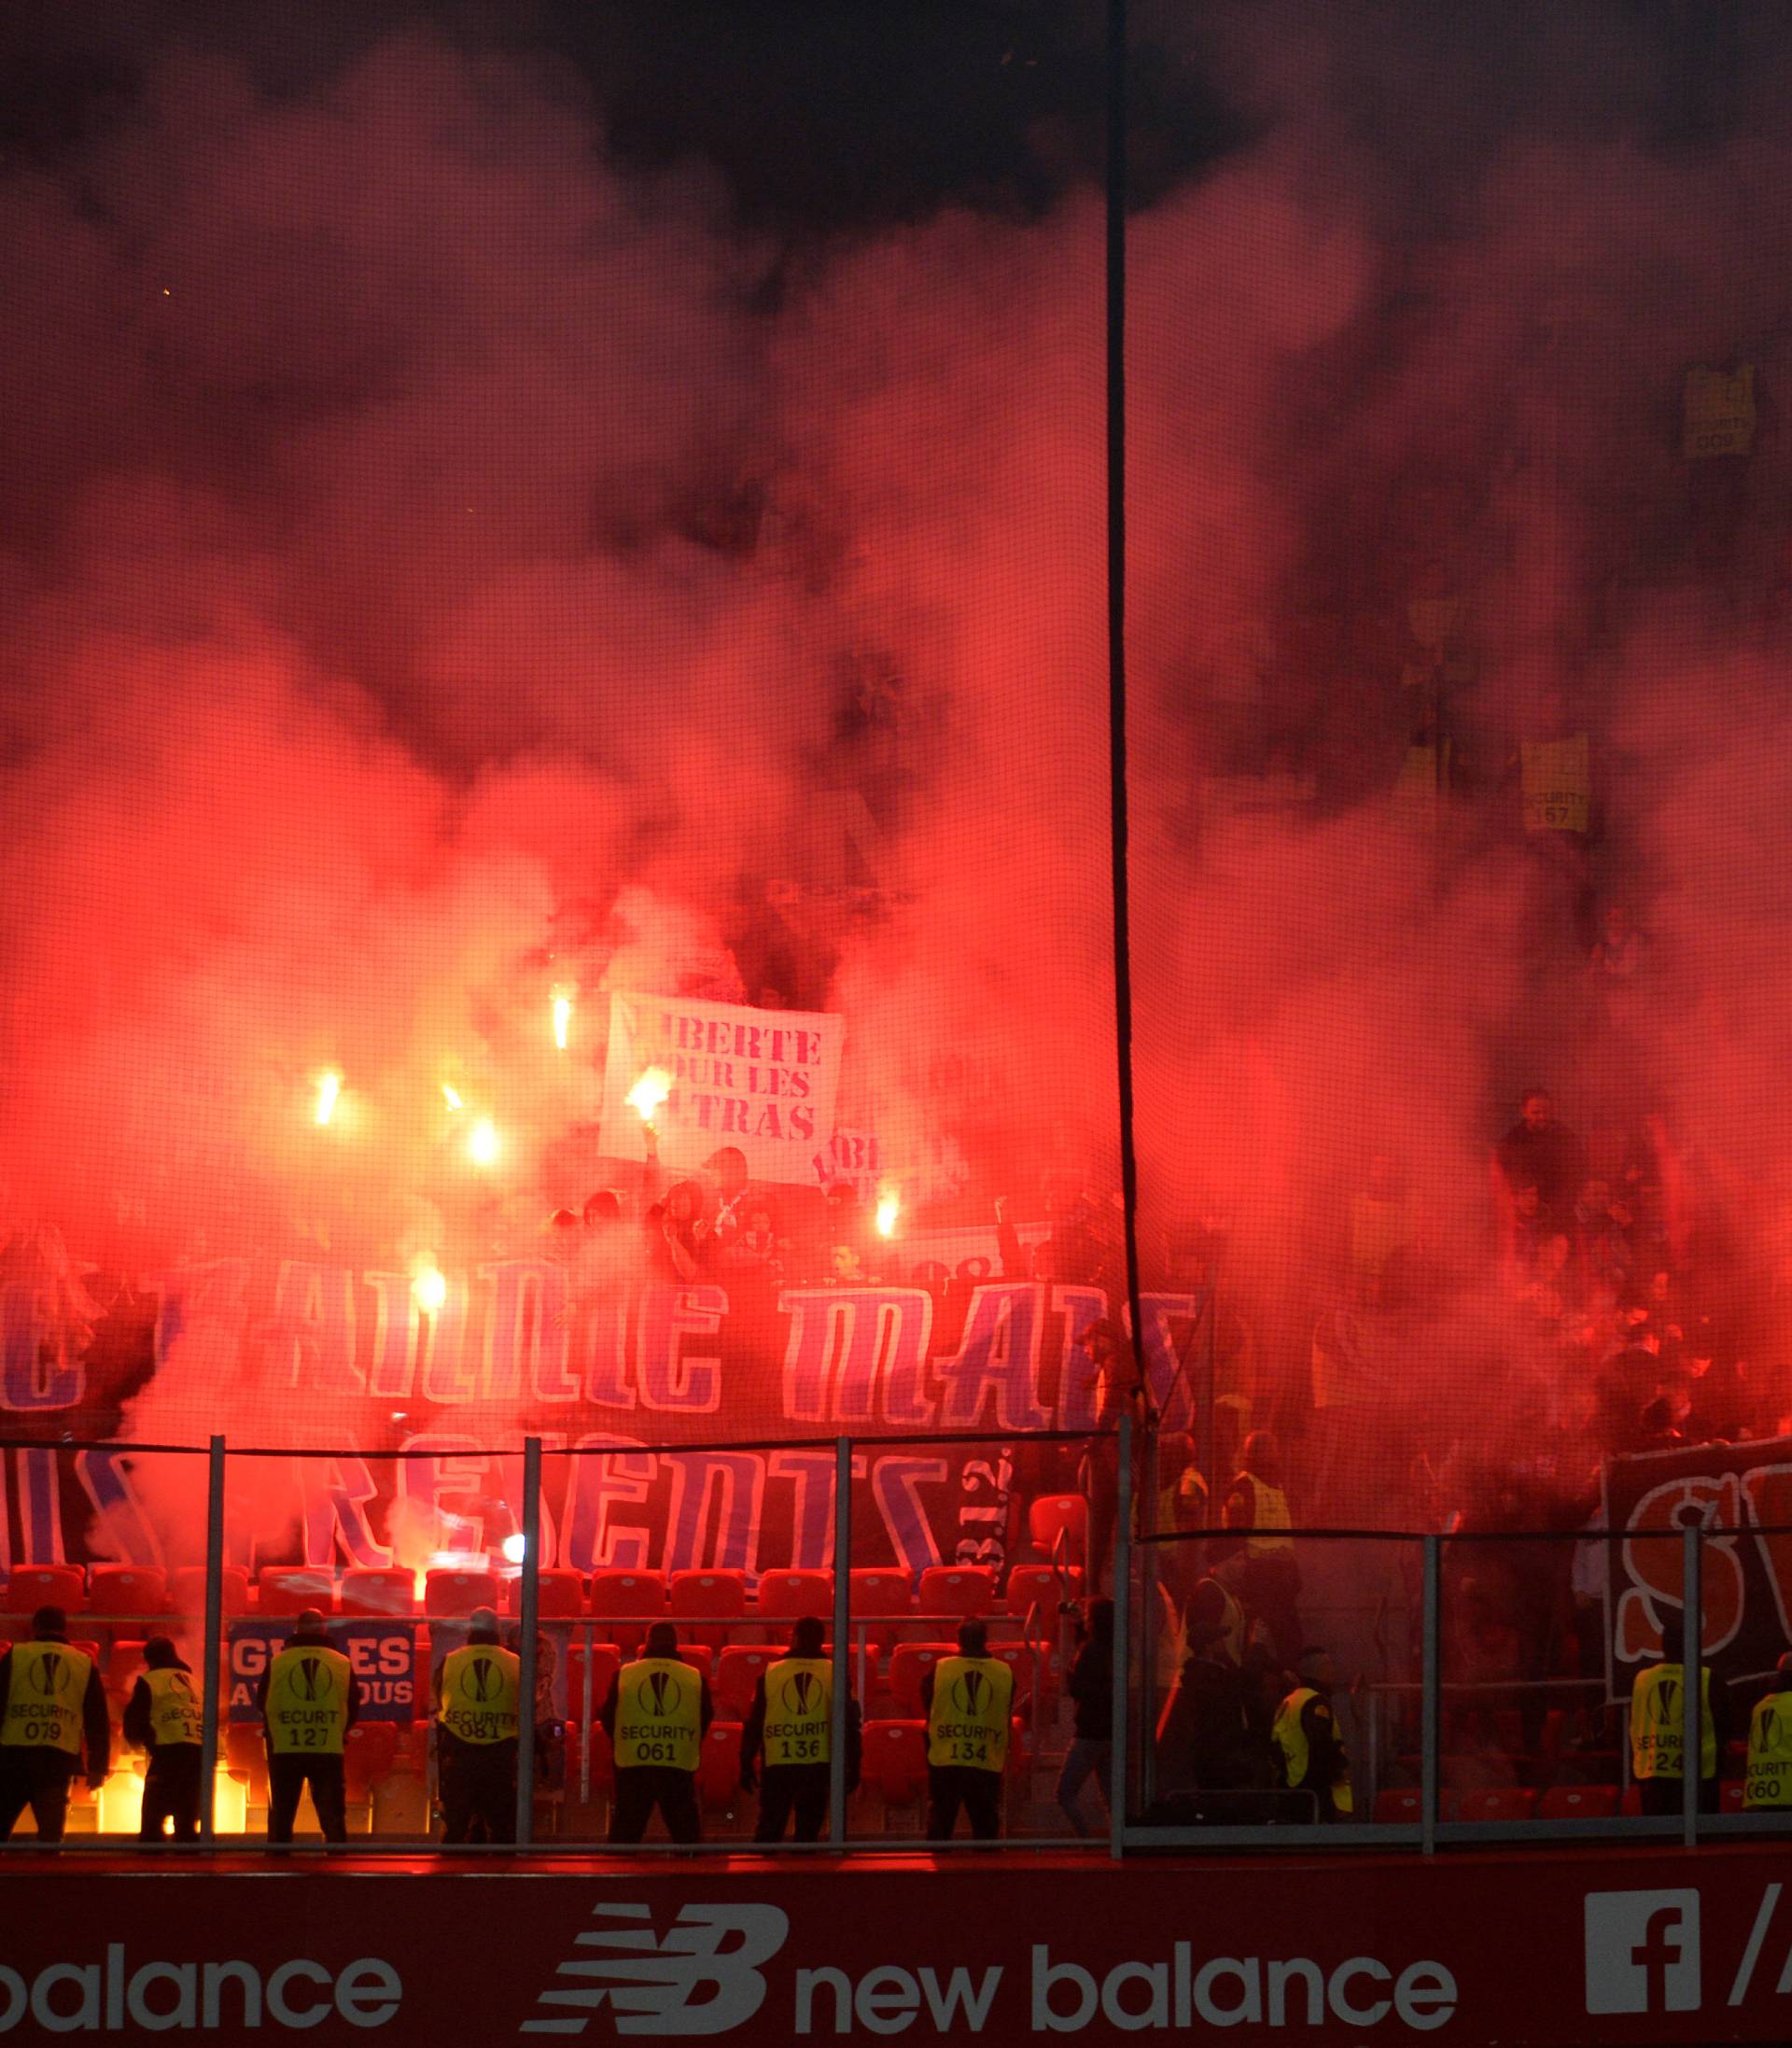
{"points": [[641, 1788], [786, 1788], [1664, 1795], [950, 1785], [477, 1789], [38, 1778], [286, 1777], [171, 1792]]}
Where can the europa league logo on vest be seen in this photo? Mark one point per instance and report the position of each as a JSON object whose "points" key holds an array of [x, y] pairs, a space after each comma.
{"points": [[479, 1681], [800, 1694], [315, 1681], [663, 1693], [52, 1674], [968, 1694]]}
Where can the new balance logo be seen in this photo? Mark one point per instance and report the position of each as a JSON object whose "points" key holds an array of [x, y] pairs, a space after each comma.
{"points": [[686, 1984], [1643, 1952]]}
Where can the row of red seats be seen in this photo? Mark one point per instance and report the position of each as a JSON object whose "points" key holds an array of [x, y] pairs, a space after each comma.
{"points": [[563, 1594]]}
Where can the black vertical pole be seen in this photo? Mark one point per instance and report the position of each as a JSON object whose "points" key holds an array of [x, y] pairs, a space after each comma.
{"points": [[1116, 381]]}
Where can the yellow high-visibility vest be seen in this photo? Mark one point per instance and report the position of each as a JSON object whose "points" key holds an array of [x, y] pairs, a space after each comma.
{"points": [[799, 1711], [1770, 1753], [478, 1691], [1655, 1723], [175, 1709], [1558, 784], [45, 1697], [1269, 1511], [1718, 414], [966, 1722], [659, 1715], [1288, 1732], [307, 1709]]}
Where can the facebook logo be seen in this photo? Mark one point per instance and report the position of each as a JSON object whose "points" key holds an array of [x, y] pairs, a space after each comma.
{"points": [[1642, 1950]]}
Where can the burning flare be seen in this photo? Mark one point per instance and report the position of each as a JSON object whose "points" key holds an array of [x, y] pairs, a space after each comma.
{"points": [[649, 1092], [889, 1209], [429, 1287], [330, 1085], [562, 1017], [483, 1145], [451, 1097]]}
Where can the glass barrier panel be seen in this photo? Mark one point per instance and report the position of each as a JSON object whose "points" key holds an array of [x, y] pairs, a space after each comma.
{"points": [[1274, 1678]]}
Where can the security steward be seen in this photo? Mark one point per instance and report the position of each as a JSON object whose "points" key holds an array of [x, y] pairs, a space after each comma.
{"points": [[967, 1700], [478, 1689], [51, 1701], [162, 1715], [656, 1714], [1310, 1756], [309, 1697], [1769, 1785], [791, 1722], [1656, 1730]]}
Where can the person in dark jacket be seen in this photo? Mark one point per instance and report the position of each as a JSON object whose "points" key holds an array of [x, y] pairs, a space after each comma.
{"points": [[1205, 1739], [163, 1716], [656, 1713], [51, 1703], [1091, 1691], [791, 1723]]}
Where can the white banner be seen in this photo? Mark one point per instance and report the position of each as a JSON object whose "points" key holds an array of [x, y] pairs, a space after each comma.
{"points": [[764, 1080]]}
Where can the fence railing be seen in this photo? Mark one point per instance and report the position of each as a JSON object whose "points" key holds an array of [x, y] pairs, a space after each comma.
{"points": [[1469, 1709]]}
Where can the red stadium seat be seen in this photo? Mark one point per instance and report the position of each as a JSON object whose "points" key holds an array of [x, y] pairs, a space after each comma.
{"points": [[701, 1659], [560, 1594], [606, 1662], [291, 1589], [958, 1588], [449, 1594], [896, 1759], [1039, 1586], [880, 1589], [1030, 1669], [30, 1587], [1399, 1805], [708, 1593], [1505, 1803], [1065, 1514], [618, 1595], [1578, 1802], [625, 1596], [1730, 1796], [123, 1666], [376, 1590], [909, 1663], [719, 1768], [127, 1588], [786, 1595], [369, 1750], [187, 1595], [1630, 1805], [739, 1671]]}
